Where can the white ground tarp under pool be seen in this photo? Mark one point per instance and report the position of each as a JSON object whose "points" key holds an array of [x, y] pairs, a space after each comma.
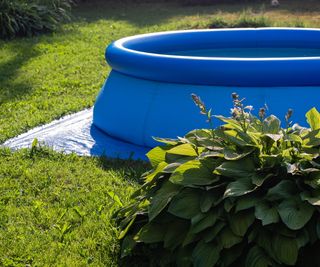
{"points": [[76, 134]]}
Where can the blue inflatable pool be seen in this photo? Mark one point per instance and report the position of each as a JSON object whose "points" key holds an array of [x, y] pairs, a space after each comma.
{"points": [[153, 75]]}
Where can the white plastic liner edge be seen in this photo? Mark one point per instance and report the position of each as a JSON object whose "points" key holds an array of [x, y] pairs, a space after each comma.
{"points": [[76, 134]]}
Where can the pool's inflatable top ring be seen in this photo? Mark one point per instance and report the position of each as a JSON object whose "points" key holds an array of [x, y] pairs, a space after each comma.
{"points": [[148, 57]]}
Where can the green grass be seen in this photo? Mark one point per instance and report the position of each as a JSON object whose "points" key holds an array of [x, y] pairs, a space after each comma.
{"points": [[55, 209]]}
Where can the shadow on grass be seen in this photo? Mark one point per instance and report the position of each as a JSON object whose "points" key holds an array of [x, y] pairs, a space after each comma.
{"points": [[131, 170], [19, 51], [22, 50]]}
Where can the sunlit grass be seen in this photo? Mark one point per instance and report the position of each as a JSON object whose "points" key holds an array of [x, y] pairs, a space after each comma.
{"points": [[55, 209]]}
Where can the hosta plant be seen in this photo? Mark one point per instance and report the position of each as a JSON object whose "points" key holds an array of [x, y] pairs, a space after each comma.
{"points": [[27, 18], [246, 193]]}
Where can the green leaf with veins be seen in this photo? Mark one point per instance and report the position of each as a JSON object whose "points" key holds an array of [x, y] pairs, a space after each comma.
{"points": [[294, 213]]}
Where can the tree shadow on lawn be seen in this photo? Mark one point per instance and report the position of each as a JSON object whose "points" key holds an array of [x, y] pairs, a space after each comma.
{"points": [[151, 14], [130, 170], [22, 50]]}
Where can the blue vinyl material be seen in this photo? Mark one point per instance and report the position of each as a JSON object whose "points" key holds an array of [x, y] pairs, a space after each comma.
{"points": [[148, 90], [150, 57]]}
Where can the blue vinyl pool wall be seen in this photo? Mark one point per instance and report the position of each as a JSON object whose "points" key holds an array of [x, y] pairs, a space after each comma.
{"points": [[140, 109]]}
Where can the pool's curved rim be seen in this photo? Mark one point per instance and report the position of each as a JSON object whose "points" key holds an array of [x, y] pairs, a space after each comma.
{"points": [[120, 44], [226, 71]]}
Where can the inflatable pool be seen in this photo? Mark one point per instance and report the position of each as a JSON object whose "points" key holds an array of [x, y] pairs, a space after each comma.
{"points": [[153, 75]]}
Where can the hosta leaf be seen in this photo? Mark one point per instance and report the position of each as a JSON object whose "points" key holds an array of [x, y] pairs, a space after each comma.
{"points": [[150, 177], [313, 200], [249, 137], [312, 138], [270, 161], [246, 202], [239, 188], [184, 150], [167, 141], [271, 125], [263, 238], [210, 144], [287, 153], [302, 238], [283, 190], [156, 155], [214, 231], [205, 254], [211, 163], [127, 213], [293, 138], [199, 133], [240, 222], [228, 239], [217, 189], [189, 238], [236, 169], [259, 179], [265, 212], [230, 154], [295, 213], [313, 118], [285, 231], [127, 246], [228, 204], [212, 154], [273, 137], [314, 183], [193, 173], [229, 256], [315, 164], [123, 233], [232, 137], [314, 172], [162, 198], [285, 249], [186, 204], [170, 168], [257, 258], [308, 154], [208, 199], [175, 158], [150, 233], [203, 221], [231, 123], [175, 234]]}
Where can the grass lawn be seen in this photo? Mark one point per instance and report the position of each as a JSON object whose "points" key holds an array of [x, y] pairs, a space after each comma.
{"points": [[55, 209]]}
